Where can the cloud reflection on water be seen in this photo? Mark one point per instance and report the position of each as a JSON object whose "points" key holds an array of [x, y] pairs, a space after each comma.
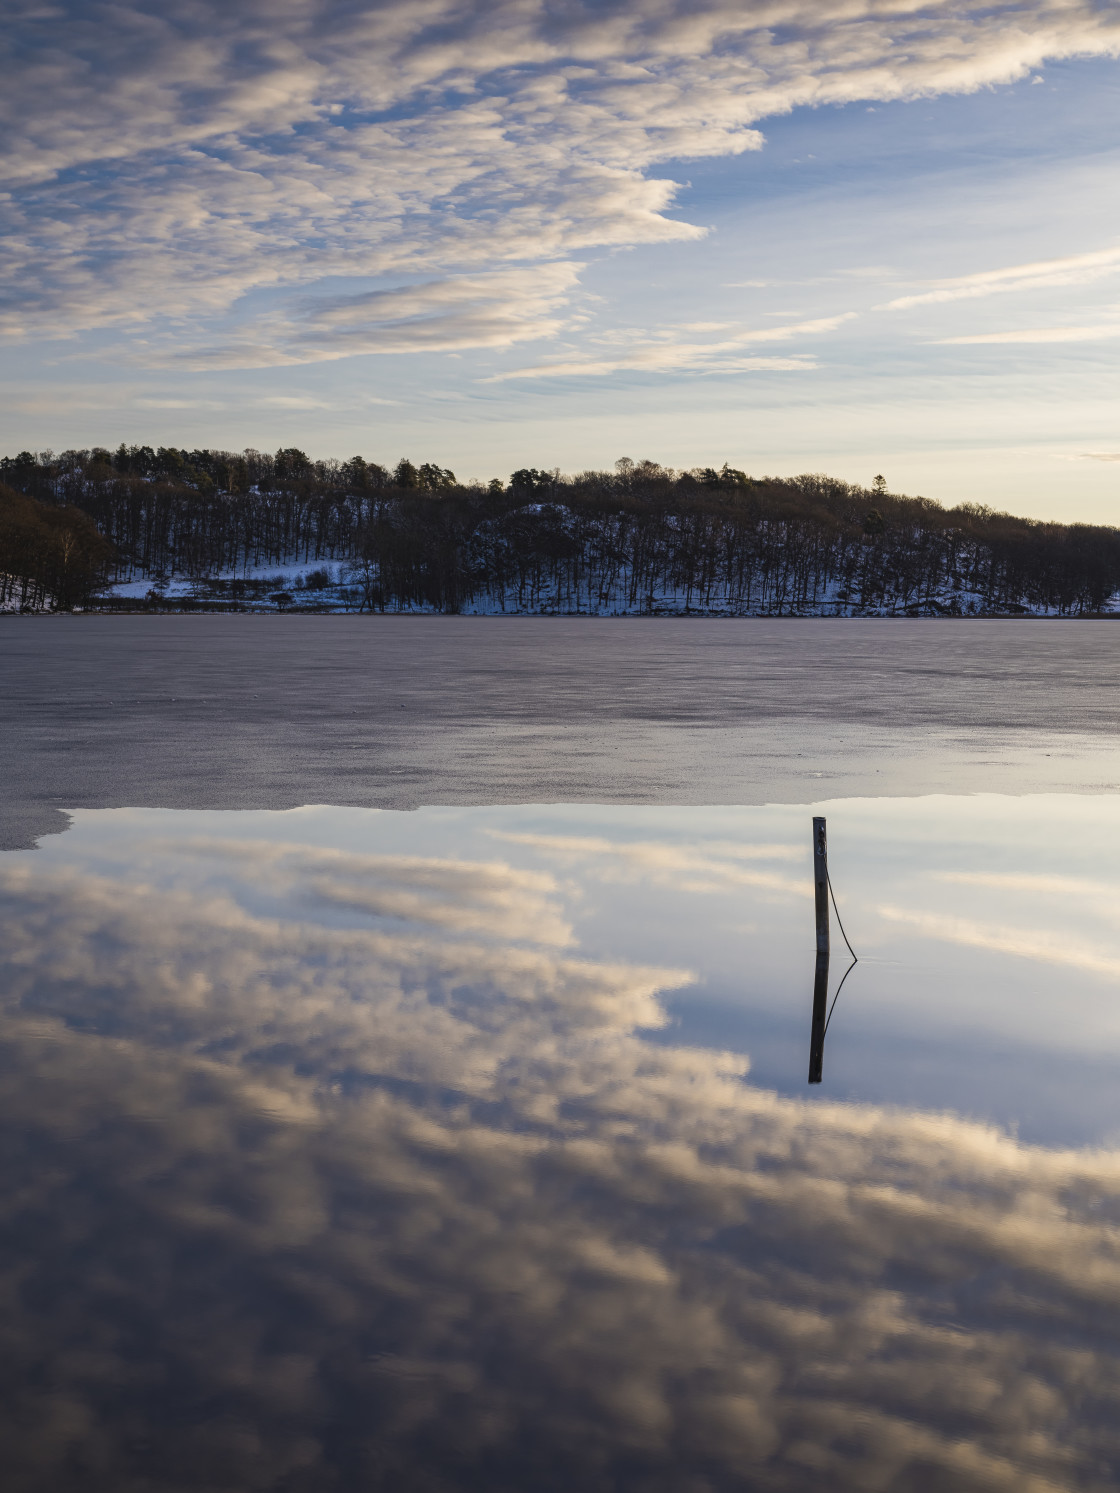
{"points": [[717, 866], [293, 1205], [483, 897], [1041, 947]]}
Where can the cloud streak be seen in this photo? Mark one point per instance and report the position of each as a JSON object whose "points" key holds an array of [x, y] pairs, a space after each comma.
{"points": [[668, 355], [1074, 269], [1027, 943], [716, 867], [492, 310], [1103, 333]]}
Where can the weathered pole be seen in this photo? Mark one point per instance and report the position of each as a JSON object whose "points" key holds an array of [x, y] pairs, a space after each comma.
{"points": [[820, 880], [820, 980]]}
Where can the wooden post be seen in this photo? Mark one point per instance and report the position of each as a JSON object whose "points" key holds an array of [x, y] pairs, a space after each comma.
{"points": [[816, 1035], [820, 879]]}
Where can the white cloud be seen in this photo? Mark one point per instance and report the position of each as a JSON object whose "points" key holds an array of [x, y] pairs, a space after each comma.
{"points": [[1075, 269], [488, 310], [1028, 943], [714, 868], [692, 359], [1029, 881], [162, 162], [153, 402], [292, 402], [487, 898], [667, 355], [1034, 334]]}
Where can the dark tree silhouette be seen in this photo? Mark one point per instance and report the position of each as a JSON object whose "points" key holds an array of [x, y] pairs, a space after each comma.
{"points": [[50, 555]]}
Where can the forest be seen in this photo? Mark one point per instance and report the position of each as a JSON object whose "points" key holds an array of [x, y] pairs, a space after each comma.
{"points": [[204, 528], [51, 554]]}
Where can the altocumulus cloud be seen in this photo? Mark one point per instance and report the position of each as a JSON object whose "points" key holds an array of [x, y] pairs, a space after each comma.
{"points": [[163, 160], [333, 1207]]}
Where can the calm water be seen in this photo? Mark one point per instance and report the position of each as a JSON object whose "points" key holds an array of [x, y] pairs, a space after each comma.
{"points": [[472, 1148]]}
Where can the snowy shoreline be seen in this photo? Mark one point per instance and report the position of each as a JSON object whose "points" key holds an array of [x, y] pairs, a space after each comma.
{"points": [[333, 587]]}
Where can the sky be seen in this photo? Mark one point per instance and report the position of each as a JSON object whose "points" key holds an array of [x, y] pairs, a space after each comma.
{"points": [[851, 236]]}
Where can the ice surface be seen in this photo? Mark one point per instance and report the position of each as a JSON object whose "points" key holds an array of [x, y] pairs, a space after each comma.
{"points": [[272, 712]]}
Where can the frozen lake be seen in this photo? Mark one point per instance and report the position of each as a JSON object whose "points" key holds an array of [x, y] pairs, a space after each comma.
{"points": [[404, 1039], [395, 712]]}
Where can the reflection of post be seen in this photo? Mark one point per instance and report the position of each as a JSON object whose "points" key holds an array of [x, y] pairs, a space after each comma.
{"points": [[820, 982], [816, 1035], [820, 878]]}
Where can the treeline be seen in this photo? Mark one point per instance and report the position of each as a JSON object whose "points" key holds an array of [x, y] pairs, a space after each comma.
{"points": [[168, 512], [645, 540], [641, 538], [51, 555]]}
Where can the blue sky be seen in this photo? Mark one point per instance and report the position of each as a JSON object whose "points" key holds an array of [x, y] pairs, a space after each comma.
{"points": [[845, 237]]}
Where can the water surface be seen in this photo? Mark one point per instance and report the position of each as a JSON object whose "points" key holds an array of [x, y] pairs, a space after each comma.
{"points": [[471, 1148]]}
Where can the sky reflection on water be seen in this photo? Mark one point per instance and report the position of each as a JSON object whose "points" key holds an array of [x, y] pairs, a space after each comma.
{"points": [[420, 1151]]}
